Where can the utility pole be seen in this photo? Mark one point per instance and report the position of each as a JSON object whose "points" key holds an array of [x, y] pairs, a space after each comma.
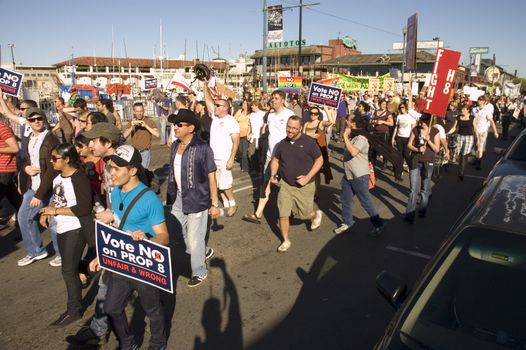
{"points": [[11, 46]]}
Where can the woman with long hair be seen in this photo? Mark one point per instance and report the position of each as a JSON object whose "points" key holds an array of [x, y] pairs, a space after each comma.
{"points": [[206, 121], [315, 128], [70, 207]]}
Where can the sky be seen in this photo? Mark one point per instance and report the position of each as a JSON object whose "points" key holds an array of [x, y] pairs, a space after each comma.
{"points": [[45, 32]]}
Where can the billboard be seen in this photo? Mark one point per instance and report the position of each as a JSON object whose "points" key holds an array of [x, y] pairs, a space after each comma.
{"points": [[410, 48], [274, 23]]}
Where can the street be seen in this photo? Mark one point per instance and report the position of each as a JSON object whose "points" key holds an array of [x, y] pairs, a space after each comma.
{"points": [[320, 294]]}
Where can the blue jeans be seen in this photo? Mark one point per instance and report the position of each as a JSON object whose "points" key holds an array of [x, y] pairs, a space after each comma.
{"points": [[194, 233], [422, 172], [162, 130], [99, 323], [359, 187], [28, 223], [146, 157]]}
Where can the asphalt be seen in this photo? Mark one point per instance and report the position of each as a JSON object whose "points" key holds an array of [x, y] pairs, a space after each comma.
{"points": [[319, 294]]}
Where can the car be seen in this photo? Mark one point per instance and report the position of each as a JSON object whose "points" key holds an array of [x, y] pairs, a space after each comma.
{"points": [[471, 294], [513, 161]]}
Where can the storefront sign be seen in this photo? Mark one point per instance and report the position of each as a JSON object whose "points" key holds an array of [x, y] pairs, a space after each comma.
{"points": [[286, 44]]}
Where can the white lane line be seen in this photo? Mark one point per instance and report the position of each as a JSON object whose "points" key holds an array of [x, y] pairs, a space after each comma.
{"points": [[476, 177], [408, 252], [242, 188]]}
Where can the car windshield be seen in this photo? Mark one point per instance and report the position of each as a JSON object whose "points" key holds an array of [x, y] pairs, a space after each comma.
{"points": [[518, 152], [476, 298]]}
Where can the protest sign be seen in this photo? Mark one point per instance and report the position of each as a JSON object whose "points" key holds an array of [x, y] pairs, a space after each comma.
{"points": [[389, 85], [144, 261], [290, 85], [325, 95], [374, 86], [10, 82], [150, 84], [442, 81], [353, 83]]}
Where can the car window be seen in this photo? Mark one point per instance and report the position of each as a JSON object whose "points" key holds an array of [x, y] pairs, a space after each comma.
{"points": [[518, 152], [476, 298]]}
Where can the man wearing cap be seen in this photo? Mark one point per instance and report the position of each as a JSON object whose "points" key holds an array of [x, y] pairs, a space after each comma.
{"points": [[145, 220], [224, 141], [104, 140], [39, 183], [192, 190], [141, 130]]}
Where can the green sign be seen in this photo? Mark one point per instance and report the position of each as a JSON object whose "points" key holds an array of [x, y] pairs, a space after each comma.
{"points": [[286, 44], [478, 50], [354, 83], [349, 42]]}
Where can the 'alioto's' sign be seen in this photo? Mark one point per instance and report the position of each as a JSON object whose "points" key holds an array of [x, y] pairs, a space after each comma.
{"points": [[286, 44]]}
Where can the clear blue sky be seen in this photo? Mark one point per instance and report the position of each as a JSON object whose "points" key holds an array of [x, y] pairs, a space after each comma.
{"points": [[44, 32]]}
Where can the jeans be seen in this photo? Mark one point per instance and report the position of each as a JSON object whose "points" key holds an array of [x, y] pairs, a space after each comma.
{"points": [[119, 291], [146, 158], [99, 323], [194, 227], [53, 233], [243, 152], [423, 171], [162, 130], [28, 223], [71, 246], [340, 125], [401, 145], [360, 187]]}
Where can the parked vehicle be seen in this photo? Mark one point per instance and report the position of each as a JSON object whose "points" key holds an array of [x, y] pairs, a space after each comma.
{"points": [[513, 161], [472, 293]]}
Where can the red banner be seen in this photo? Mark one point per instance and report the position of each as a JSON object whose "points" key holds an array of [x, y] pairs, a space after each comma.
{"points": [[442, 81]]}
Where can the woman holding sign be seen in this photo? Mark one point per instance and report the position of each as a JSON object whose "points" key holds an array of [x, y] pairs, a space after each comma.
{"points": [[71, 206]]}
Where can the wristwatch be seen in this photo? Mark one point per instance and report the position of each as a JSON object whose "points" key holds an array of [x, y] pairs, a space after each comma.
{"points": [[215, 205]]}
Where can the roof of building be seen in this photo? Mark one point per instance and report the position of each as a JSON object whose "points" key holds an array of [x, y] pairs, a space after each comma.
{"points": [[375, 59], [134, 62], [292, 51]]}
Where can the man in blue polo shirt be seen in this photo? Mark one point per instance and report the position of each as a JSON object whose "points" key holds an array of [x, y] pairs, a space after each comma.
{"points": [[145, 221]]}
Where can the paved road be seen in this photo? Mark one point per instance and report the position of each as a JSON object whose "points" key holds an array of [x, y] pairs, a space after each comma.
{"points": [[320, 294]]}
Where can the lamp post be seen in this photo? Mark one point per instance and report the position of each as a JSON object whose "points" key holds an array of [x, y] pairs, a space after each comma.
{"points": [[437, 39], [404, 32], [11, 46]]}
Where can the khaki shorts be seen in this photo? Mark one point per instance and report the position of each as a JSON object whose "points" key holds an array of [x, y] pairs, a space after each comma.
{"points": [[296, 200], [224, 176], [483, 138]]}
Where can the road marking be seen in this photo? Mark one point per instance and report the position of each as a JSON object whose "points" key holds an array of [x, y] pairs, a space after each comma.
{"points": [[408, 252], [243, 188], [475, 177]]}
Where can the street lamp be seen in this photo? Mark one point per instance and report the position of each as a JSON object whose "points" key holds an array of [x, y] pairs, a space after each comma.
{"points": [[437, 39], [11, 46]]}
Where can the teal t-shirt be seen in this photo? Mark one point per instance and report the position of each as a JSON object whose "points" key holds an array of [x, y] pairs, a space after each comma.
{"points": [[147, 212]]}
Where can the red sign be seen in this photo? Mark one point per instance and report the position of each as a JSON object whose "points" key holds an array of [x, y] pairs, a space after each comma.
{"points": [[442, 81]]}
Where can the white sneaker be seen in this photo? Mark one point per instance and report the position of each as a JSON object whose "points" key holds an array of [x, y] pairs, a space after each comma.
{"points": [[56, 262], [284, 246], [341, 229], [316, 222], [26, 260]]}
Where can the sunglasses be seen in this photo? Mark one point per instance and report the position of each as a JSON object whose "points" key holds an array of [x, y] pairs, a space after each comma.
{"points": [[54, 158], [37, 119], [180, 125]]}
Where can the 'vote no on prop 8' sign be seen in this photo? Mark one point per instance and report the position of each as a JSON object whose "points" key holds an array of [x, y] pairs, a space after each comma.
{"points": [[10, 82], [325, 95], [144, 261]]}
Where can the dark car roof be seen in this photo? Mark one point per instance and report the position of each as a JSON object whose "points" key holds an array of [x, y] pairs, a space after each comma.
{"points": [[503, 204]]}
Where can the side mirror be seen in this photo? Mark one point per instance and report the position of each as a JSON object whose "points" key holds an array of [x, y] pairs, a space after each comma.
{"points": [[499, 150], [391, 287]]}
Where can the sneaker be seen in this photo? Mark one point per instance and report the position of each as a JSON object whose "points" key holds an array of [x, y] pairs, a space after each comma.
{"points": [[26, 260], [284, 246], [85, 336], [316, 222], [375, 232], [65, 319], [209, 253], [341, 229], [231, 211], [56, 262], [196, 280]]}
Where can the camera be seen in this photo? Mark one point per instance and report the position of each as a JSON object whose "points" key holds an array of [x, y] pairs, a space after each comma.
{"points": [[419, 139]]}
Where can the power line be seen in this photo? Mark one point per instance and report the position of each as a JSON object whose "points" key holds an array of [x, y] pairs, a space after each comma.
{"points": [[347, 20]]}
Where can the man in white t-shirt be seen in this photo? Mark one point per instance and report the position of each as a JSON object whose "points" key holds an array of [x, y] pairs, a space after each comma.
{"points": [[277, 131], [483, 119], [224, 141]]}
